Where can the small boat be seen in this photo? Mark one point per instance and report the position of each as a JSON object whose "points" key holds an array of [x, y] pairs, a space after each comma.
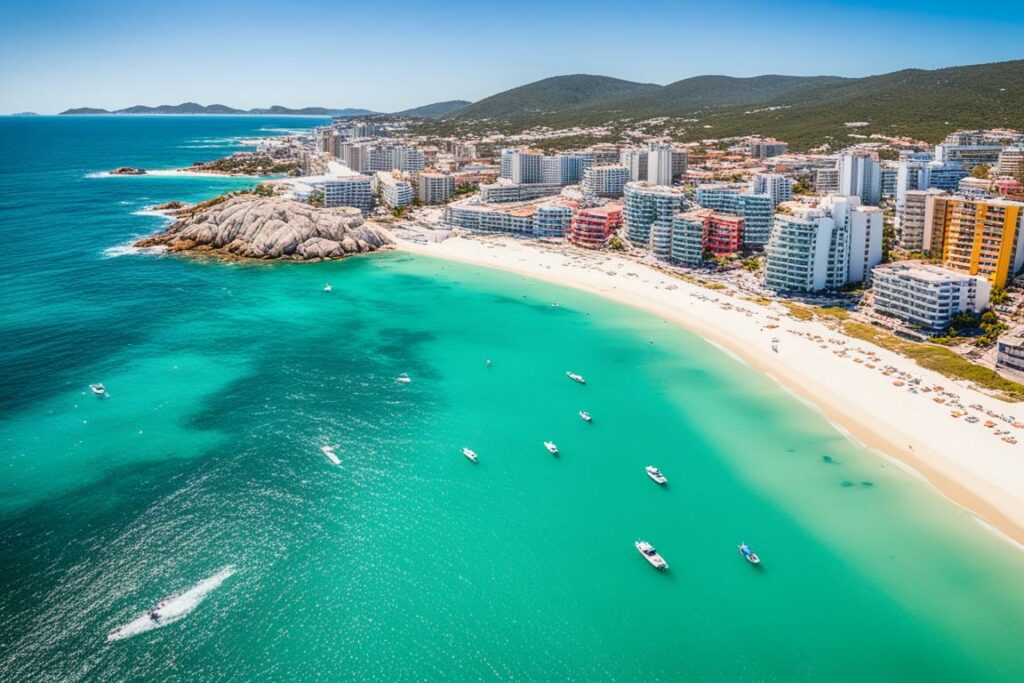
{"points": [[651, 555], [98, 389], [748, 554], [488, 362], [552, 448], [403, 378], [655, 474], [469, 453], [331, 455], [576, 378], [586, 416], [328, 288]]}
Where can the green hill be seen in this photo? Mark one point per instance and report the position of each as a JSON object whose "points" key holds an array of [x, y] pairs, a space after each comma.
{"points": [[550, 95], [435, 110], [805, 111]]}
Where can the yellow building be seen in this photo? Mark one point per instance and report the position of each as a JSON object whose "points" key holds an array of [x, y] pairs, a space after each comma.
{"points": [[977, 236]]}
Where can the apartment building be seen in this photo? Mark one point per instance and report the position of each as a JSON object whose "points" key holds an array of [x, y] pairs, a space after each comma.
{"points": [[911, 228], [976, 236], [591, 227], [775, 185], [649, 207], [860, 176], [604, 180], [926, 295], [755, 209], [394, 191], [526, 219], [353, 190], [434, 188], [506, 191]]}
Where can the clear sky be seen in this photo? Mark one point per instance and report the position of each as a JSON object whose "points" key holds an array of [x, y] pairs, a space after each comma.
{"points": [[392, 54]]}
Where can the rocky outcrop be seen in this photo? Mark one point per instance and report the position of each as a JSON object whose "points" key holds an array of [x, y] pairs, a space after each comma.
{"points": [[253, 227], [127, 170]]}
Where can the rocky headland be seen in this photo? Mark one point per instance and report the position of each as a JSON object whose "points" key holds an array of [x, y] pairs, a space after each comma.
{"points": [[127, 170], [248, 226]]}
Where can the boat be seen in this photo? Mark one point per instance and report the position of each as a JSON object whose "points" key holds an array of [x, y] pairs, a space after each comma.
{"points": [[469, 453], [403, 378], [98, 389], [586, 416], [748, 554], [331, 455], [576, 378], [655, 474], [171, 608], [651, 555], [328, 288], [552, 448], [488, 362]]}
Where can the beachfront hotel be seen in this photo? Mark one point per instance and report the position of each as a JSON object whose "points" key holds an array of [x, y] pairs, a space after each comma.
{"points": [[591, 227], [649, 208], [549, 218], [926, 295], [434, 188], [394, 191], [976, 236], [827, 247]]}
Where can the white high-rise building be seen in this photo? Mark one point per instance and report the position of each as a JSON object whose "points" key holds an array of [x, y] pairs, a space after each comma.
{"points": [[564, 169], [911, 226], [605, 180], [649, 208], [823, 248], [636, 161], [659, 164], [775, 185], [353, 190], [860, 176], [434, 188]]}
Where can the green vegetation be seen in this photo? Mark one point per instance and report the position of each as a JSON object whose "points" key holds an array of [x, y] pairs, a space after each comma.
{"points": [[316, 198], [831, 312], [248, 164], [804, 111], [798, 311], [616, 244], [981, 171], [435, 110], [263, 190], [753, 264], [937, 358], [984, 329]]}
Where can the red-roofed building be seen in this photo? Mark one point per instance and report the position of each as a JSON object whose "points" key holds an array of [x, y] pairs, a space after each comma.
{"points": [[593, 226]]}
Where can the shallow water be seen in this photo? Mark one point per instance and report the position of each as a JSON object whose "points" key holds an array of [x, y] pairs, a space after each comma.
{"points": [[407, 561]]}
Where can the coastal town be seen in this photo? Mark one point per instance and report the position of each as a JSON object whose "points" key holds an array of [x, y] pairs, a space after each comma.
{"points": [[921, 241]]}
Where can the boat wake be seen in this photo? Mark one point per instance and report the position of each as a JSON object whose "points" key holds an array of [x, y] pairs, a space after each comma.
{"points": [[129, 249], [171, 608]]}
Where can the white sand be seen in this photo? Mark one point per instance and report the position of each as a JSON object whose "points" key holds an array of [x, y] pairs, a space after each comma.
{"points": [[964, 461]]}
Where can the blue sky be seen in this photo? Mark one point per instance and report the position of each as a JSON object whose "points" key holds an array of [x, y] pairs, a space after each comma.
{"points": [[391, 55]]}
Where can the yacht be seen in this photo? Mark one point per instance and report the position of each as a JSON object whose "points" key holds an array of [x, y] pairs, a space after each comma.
{"points": [[331, 455], [469, 453], [748, 554], [98, 389], [651, 555], [552, 448], [586, 416], [403, 378], [576, 378], [328, 288], [655, 474]]}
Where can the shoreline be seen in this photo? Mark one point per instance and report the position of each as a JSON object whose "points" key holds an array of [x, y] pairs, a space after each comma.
{"points": [[963, 462]]}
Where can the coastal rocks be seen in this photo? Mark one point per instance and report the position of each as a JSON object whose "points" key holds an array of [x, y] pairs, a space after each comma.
{"points": [[127, 170], [252, 227]]}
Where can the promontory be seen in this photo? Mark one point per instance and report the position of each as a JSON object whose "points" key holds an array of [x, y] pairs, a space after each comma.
{"points": [[253, 227]]}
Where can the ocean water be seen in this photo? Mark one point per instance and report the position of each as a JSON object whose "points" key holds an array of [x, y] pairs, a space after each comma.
{"points": [[406, 561]]}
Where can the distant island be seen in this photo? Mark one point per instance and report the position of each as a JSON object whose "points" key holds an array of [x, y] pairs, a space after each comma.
{"points": [[192, 108], [25, 113]]}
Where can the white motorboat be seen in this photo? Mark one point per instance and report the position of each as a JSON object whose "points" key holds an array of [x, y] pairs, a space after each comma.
{"points": [[576, 378], [748, 554], [403, 378], [328, 288], [469, 453], [655, 474], [98, 389], [552, 448], [651, 555], [331, 455], [172, 608], [586, 416]]}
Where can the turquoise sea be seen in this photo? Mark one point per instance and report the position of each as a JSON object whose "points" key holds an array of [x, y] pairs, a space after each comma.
{"points": [[407, 562]]}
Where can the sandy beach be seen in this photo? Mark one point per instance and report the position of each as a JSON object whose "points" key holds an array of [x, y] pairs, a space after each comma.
{"points": [[885, 401]]}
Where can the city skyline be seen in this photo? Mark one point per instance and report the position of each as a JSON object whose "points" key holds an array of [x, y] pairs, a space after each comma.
{"points": [[57, 55]]}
